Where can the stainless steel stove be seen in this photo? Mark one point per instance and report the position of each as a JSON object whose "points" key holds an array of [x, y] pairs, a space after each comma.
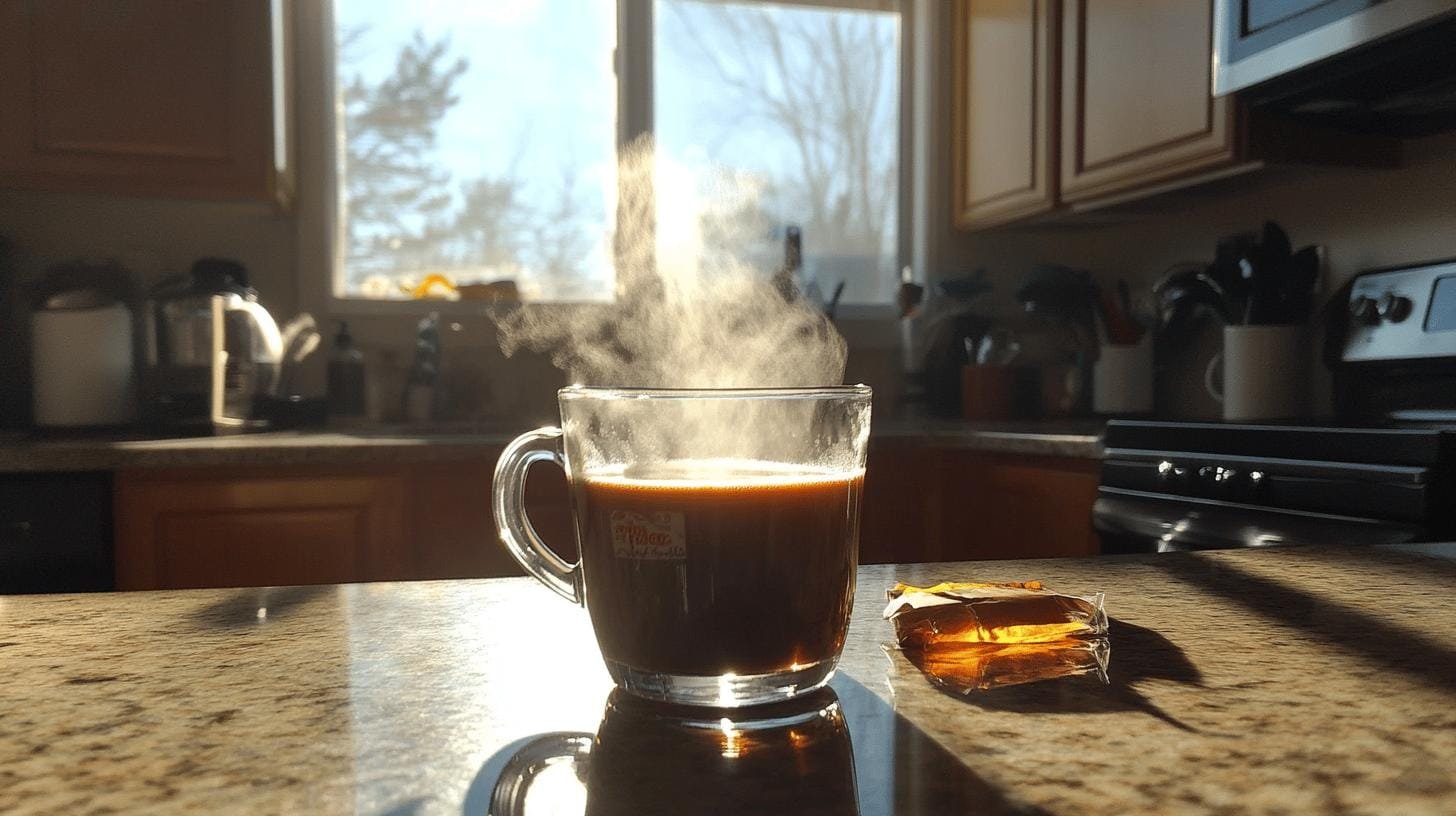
{"points": [[1383, 471]]}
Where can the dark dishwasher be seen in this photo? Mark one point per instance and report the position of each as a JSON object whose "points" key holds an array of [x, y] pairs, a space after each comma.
{"points": [[55, 533]]}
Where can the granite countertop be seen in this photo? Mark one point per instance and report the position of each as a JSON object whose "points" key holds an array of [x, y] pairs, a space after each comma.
{"points": [[20, 453], [1316, 680]]}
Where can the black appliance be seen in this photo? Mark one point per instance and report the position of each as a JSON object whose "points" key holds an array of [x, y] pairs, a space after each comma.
{"points": [[1383, 472], [1372, 66], [55, 533]]}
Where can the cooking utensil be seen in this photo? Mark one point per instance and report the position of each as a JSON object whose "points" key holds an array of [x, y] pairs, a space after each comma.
{"points": [[1116, 311], [998, 347], [1184, 294]]}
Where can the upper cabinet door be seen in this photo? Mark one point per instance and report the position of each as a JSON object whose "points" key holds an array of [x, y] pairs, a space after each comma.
{"points": [[147, 97], [1005, 129], [1137, 103]]}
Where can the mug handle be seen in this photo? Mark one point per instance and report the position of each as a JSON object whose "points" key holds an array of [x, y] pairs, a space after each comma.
{"points": [[508, 501], [1215, 391]]}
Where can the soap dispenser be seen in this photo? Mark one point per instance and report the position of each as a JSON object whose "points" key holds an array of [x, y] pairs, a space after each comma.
{"points": [[347, 387]]}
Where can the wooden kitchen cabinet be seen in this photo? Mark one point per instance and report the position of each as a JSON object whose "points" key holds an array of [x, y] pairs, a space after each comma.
{"points": [[288, 524], [1005, 94], [1137, 95], [452, 526], [1064, 105], [901, 508], [181, 98], [212, 527]]}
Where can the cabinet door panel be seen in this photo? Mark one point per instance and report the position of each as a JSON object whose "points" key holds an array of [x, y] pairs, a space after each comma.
{"points": [[452, 526], [1137, 101], [260, 548], [1004, 153], [84, 104], [213, 528], [148, 97]]}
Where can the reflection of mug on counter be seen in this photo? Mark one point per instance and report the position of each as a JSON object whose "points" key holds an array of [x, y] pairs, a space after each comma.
{"points": [[1265, 373]]}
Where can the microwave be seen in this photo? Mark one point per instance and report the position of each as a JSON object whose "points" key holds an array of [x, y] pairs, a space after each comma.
{"points": [[1374, 66]]}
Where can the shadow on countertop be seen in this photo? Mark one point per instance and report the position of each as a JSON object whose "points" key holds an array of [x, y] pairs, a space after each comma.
{"points": [[1138, 653], [250, 606], [1395, 648]]}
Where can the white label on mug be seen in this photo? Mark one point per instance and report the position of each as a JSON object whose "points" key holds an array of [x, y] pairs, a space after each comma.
{"points": [[655, 536]]}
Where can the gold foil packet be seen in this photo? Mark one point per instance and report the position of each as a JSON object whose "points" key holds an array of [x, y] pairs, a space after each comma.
{"points": [[996, 613], [970, 667]]}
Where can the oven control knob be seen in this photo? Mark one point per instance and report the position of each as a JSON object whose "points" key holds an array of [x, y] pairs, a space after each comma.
{"points": [[1393, 307], [1255, 480], [1362, 310], [1172, 475]]}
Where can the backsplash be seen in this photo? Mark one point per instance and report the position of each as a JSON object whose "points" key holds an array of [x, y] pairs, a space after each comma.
{"points": [[1364, 218]]}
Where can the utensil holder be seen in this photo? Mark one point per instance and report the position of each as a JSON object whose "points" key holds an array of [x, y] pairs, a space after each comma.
{"points": [[1265, 373]]}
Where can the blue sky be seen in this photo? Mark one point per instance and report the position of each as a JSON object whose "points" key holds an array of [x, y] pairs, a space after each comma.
{"points": [[539, 91], [539, 95]]}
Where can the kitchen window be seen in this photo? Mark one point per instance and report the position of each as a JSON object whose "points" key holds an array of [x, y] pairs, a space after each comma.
{"points": [[477, 142]]}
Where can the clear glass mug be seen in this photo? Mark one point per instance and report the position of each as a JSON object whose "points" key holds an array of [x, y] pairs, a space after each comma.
{"points": [[718, 531]]}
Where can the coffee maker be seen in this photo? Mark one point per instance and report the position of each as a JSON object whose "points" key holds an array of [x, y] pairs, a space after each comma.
{"points": [[213, 353]]}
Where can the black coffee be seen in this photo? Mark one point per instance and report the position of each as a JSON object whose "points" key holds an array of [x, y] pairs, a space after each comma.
{"points": [[744, 569]]}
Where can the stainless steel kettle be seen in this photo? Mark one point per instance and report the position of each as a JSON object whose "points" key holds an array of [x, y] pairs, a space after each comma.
{"points": [[213, 352]]}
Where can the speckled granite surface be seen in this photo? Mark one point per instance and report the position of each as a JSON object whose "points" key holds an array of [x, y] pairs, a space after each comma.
{"points": [[18, 454], [1294, 681]]}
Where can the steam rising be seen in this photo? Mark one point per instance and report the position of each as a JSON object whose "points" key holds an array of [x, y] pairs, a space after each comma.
{"points": [[684, 316]]}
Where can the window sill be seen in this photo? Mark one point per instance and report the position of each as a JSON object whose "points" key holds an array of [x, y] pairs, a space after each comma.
{"points": [[363, 306]]}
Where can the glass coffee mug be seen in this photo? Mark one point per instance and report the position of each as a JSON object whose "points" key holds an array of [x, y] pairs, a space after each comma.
{"points": [[718, 530]]}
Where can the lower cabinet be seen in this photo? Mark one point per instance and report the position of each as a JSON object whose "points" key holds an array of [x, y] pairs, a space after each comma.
{"points": [[282, 525], [942, 504], [285, 525]]}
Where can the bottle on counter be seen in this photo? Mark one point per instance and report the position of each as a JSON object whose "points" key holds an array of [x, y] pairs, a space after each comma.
{"points": [[347, 385], [422, 384]]}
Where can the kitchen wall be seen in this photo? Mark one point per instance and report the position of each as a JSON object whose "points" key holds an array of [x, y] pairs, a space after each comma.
{"points": [[153, 237]]}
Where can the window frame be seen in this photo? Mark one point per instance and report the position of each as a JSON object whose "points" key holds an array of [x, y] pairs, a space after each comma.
{"points": [[320, 232]]}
